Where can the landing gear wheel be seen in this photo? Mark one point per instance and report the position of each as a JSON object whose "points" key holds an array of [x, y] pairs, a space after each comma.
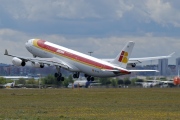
{"points": [[92, 78], [76, 75], [62, 78], [58, 78], [57, 75], [88, 79], [85, 75]]}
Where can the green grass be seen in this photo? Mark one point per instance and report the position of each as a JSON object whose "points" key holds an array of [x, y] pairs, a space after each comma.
{"points": [[90, 104]]}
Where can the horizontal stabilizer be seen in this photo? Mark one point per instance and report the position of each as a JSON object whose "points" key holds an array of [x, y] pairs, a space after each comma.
{"points": [[143, 71], [118, 70], [110, 70]]}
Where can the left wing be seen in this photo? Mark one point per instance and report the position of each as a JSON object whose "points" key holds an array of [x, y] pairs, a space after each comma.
{"points": [[49, 61]]}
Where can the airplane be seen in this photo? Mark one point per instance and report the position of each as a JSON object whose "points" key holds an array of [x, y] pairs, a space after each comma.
{"points": [[9, 85], [166, 83], [80, 83], [47, 53], [149, 83]]}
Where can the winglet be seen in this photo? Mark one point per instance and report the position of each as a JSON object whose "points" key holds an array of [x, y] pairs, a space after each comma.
{"points": [[6, 52], [171, 54]]}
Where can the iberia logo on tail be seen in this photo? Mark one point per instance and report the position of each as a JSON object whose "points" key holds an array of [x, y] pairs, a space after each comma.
{"points": [[123, 57]]}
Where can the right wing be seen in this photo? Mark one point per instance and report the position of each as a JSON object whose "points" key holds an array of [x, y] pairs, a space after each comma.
{"points": [[134, 61], [139, 60]]}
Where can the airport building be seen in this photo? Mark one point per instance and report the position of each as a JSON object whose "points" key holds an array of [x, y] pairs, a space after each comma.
{"points": [[177, 65], [163, 67]]}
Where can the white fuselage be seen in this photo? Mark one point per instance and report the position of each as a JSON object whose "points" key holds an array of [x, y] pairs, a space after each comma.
{"points": [[78, 61]]}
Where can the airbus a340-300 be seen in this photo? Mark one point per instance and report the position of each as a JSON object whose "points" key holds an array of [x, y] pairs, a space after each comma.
{"points": [[48, 53]]}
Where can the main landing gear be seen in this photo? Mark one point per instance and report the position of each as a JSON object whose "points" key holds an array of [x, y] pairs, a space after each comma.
{"points": [[89, 78], [76, 75], [58, 75]]}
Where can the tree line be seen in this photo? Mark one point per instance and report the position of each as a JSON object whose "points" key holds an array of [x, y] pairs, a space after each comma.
{"points": [[50, 80]]}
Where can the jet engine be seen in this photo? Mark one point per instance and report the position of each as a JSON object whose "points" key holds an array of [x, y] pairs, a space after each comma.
{"points": [[18, 62], [37, 65], [133, 64]]}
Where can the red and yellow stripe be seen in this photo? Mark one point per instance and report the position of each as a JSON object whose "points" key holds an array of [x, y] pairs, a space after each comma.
{"points": [[41, 45]]}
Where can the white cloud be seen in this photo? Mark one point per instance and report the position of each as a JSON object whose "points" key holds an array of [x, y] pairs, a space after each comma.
{"points": [[163, 12], [13, 40], [48, 10], [122, 14], [122, 7]]}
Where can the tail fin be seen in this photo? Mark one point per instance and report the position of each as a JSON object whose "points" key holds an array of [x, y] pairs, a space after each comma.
{"points": [[123, 57]]}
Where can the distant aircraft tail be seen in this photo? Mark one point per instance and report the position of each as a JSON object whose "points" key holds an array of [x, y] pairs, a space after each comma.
{"points": [[13, 84], [123, 57]]}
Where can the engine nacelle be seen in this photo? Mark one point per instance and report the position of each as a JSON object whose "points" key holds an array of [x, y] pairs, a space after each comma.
{"points": [[133, 64], [37, 65], [18, 62]]}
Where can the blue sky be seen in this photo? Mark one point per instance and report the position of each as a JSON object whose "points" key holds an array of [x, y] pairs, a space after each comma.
{"points": [[101, 26]]}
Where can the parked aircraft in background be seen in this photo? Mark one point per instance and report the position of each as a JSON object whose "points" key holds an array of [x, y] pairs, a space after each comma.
{"points": [[45, 52], [16, 77], [81, 83], [9, 85], [167, 83], [149, 83]]}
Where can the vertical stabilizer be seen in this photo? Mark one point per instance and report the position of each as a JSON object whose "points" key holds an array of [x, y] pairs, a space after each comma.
{"points": [[123, 57]]}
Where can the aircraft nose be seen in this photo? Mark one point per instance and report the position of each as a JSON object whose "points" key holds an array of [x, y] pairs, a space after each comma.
{"points": [[28, 43]]}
